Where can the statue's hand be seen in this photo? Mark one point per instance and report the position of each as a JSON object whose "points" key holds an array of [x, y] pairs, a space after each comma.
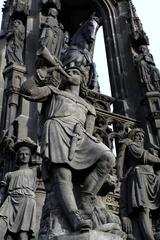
{"points": [[41, 74], [127, 224]]}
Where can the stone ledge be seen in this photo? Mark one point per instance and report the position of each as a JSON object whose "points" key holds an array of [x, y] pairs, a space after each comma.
{"points": [[91, 235]]}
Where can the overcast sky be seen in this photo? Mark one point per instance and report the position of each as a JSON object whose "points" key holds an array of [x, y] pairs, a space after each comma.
{"points": [[149, 13]]}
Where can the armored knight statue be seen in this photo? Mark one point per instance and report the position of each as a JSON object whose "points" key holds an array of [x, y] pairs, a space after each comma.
{"points": [[140, 186], [68, 147], [17, 196], [15, 43]]}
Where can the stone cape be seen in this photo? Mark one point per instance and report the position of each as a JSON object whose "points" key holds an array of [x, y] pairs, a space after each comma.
{"points": [[141, 182]]}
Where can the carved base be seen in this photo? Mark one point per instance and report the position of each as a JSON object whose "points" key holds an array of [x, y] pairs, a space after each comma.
{"points": [[92, 235], [54, 224]]}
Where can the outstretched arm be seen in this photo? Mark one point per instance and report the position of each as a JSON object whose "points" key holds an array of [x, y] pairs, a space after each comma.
{"points": [[31, 90]]}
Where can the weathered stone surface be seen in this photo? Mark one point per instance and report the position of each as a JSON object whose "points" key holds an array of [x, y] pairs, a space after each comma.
{"points": [[140, 184], [92, 235], [33, 37]]}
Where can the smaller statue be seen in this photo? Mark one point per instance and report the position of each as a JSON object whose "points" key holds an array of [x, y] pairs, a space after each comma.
{"points": [[140, 185], [21, 6], [52, 36], [149, 74], [17, 196], [15, 43]]}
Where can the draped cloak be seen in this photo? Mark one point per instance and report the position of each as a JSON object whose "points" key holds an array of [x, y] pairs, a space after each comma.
{"points": [[141, 186]]}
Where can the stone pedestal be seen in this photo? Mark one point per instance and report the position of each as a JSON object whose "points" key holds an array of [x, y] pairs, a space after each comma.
{"points": [[91, 235]]}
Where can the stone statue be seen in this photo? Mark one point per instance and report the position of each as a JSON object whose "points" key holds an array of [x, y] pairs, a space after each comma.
{"points": [[66, 42], [56, 3], [17, 196], [21, 6], [140, 185], [81, 48], [149, 74], [68, 147], [15, 43], [52, 36]]}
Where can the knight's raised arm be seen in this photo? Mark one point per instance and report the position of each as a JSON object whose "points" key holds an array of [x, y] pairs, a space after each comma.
{"points": [[33, 91]]}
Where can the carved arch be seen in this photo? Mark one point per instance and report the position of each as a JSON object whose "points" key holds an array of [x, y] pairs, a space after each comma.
{"points": [[122, 74]]}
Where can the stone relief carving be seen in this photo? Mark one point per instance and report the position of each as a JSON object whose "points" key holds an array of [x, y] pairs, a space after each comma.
{"points": [[15, 43], [140, 186]]}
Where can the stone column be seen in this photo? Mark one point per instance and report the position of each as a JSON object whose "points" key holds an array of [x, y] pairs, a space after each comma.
{"points": [[13, 76]]}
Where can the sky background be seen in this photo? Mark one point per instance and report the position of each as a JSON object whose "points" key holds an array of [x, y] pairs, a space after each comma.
{"points": [[149, 13]]}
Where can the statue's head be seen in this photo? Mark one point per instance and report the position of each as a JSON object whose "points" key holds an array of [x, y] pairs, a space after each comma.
{"points": [[17, 23], [53, 12], [77, 77], [24, 149], [137, 135], [23, 155], [143, 49]]}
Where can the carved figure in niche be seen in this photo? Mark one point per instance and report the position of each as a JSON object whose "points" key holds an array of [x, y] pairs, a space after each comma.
{"points": [[149, 74], [15, 43], [52, 36], [68, 147], [56, 3], [21, 6], [17, 196], [81, 48], [140, 186]]}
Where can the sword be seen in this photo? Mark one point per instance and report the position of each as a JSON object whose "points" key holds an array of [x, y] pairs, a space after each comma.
{"points": [[75, 138]]}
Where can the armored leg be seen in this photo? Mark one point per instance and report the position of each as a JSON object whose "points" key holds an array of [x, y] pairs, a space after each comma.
{"points": [[95, 180]]}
